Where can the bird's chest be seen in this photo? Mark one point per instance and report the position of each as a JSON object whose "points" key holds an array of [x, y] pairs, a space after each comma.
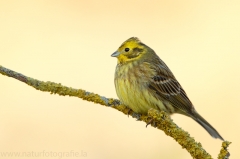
{"points": [[131, 85], [127, 81]]}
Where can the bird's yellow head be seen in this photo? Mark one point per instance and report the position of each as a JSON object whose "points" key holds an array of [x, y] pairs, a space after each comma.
{"points": [[131, 49]]}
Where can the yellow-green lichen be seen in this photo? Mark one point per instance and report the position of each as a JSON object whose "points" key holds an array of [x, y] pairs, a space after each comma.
{"points": [[224, 152], [165, 123]]}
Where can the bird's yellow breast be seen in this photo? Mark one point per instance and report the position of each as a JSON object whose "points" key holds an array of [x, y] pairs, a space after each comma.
{"points": [[131, 82]]}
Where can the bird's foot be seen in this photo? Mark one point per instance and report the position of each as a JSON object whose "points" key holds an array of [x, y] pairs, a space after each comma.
{"points": [[137, 116]]}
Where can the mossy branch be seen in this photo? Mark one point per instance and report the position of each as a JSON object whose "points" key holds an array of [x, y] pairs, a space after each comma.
{"points": [[157, 119]]}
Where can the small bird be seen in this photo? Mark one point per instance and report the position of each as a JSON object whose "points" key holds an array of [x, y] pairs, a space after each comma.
{"points": [[143, 81]]}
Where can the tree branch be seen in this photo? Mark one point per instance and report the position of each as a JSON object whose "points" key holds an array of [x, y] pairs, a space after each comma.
{"points": [[160, 120]]}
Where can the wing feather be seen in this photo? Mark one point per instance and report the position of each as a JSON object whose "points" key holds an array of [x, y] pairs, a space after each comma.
{"points": [[165, 85]]}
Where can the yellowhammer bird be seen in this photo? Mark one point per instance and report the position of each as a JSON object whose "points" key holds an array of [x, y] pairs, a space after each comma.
{"points": [[143, 81]]}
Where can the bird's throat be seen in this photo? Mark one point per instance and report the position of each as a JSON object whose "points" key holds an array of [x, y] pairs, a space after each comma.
{"points": [[122, 59]]}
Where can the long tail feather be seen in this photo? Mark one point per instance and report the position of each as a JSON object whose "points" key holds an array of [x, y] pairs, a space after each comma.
{"points": [[213, 132]]}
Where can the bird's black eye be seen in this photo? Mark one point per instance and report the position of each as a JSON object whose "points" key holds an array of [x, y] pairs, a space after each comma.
{"points": [[127, 49]]}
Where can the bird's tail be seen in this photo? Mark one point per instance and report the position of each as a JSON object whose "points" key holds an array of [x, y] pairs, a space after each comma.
{"points": [[200, 120]]}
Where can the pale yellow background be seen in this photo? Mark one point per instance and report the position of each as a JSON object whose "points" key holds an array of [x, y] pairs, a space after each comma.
{"points": [[70, 42]]}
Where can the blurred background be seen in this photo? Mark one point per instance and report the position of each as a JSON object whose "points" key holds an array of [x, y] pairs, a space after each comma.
{"points": [[70, 42]]}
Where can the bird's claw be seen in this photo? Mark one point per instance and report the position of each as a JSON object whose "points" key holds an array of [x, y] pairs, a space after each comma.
{"points": [[149, 122], [129, 111]]}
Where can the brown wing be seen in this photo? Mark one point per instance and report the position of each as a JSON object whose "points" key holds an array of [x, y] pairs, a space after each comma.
{"points": [[167, 87]]}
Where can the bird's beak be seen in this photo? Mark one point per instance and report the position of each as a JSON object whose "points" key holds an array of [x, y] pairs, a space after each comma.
{"points": [[115, 54]]}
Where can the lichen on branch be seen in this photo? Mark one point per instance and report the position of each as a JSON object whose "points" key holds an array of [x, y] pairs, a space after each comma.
{"points": [[160, 120]]}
